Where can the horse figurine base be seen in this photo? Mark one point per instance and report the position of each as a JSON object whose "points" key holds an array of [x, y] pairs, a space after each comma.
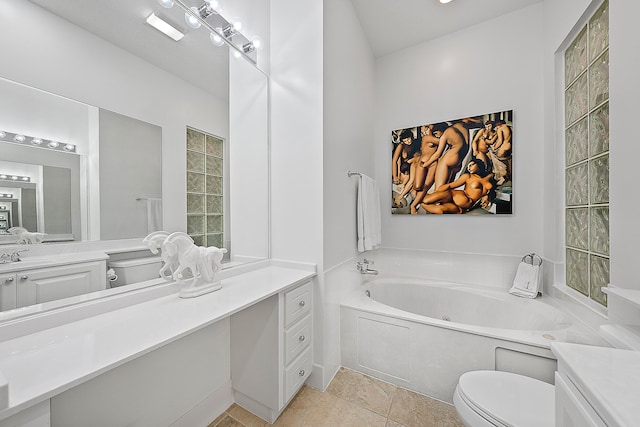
{"points": [[197, 290]]}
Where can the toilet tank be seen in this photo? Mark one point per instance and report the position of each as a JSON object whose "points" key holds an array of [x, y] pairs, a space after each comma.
{"points": [[135, 270]]}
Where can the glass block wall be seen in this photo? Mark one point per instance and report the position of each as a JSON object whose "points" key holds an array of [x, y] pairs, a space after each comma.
{"points": [[205, 199], [587, 158]]}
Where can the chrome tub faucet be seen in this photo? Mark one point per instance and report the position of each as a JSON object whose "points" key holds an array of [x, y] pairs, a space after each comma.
{"points": [[363, 267]]}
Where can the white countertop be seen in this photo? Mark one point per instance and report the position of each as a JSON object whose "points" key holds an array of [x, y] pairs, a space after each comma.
{"points": [[43, 364], [32, 262], [608, 378]]}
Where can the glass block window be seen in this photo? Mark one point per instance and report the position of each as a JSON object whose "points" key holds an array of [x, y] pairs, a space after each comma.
{"points": [[205, 198], [586, 74]]}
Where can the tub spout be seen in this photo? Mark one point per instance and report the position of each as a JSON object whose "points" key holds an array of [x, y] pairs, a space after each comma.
{"points": [[363, 267]]}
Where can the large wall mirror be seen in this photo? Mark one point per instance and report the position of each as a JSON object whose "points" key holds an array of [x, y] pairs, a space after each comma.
{"points": [[94, 75]]}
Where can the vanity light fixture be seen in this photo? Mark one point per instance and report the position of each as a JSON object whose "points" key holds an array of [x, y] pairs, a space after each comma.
{"points": [[445, 1], [164, 27], [208, 8], [229, 31], [221, 30], [190, 18], [216, 39], [36, 141], [7, 196], [248, 47], [166, 3], [5, 177]]}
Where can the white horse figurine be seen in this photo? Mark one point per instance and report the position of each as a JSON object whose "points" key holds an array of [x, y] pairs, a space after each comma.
{"points": [[202, 262], [26, 237], [154, 242]]}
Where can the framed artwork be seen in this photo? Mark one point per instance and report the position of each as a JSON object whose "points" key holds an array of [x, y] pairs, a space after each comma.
{"points": [[461, 166]]}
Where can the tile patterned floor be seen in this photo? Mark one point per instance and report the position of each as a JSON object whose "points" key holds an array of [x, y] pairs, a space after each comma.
{"points": [[352, 400]]}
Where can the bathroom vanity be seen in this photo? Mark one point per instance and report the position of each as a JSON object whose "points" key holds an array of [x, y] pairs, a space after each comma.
{"points": [[596, 386], [253, 336], [38, 281], [599, 386]]}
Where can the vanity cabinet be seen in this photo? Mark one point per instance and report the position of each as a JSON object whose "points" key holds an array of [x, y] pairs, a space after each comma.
{"points": [[572, 409], [39, 285], [271, 351], [8, 292]]}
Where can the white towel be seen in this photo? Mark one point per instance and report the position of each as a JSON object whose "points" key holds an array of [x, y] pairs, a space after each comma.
{"points": [[154, 215], [368, 214], [528, 281]]}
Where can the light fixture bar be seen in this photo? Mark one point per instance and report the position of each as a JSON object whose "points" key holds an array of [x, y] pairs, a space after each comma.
{"points": [[14, 178], [164, 27], [237, 49], [34, 141]]}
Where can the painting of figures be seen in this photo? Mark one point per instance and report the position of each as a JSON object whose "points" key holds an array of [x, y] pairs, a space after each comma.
{"points": [[461, 166]]}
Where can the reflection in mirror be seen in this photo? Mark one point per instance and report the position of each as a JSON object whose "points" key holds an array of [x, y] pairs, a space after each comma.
{"points": [[130, 195], [108, 59]]}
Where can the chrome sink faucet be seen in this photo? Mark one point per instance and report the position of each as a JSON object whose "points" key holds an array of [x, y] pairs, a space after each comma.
{"points": [[363, 267]]}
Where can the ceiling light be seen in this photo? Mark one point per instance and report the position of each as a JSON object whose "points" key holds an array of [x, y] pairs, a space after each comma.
{"points": [[164, 27], [216, 39], [166, 3], [445, 1], [191, 20]]}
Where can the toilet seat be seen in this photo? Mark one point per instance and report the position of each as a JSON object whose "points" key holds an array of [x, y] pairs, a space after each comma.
{"points": [[505, 399]]}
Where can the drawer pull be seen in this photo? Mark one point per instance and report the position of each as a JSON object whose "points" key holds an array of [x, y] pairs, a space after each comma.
{"points": [[301, 303], [302, 338], [301, 373], [8, 280], [24, 277]]}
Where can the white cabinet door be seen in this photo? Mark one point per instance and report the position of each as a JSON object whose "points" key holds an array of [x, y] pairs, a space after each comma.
{"points": [[7, 291], [572, 410], [48, 284]]}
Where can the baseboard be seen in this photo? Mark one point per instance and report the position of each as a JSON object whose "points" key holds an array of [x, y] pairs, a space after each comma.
{"points": [[208, 409], [316, 379]]}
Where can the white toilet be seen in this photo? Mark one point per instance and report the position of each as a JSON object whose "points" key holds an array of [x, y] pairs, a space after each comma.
{"points": [[495, 398], [128, 271]]}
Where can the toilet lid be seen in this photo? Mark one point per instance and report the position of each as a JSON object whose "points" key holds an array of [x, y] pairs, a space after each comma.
{"points": [[509, 399]]}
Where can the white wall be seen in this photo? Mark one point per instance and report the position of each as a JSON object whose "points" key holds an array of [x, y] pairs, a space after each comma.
{"points": [[296, 130], [624, 33], [455, 76], [83, 67], [348, 125], [297, 144], [348, 140]]}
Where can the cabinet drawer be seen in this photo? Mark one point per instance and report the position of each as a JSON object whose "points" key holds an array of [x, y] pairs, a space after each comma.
{"points": [[297, 303], [297, 373], [296, 339]]}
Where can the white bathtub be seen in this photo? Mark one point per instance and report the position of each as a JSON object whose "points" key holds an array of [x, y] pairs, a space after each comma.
{"points": [[422, 335]]}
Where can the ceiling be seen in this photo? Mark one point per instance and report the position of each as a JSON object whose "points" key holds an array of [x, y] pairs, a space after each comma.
{"points": [[391, 25], [122, 22]]}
